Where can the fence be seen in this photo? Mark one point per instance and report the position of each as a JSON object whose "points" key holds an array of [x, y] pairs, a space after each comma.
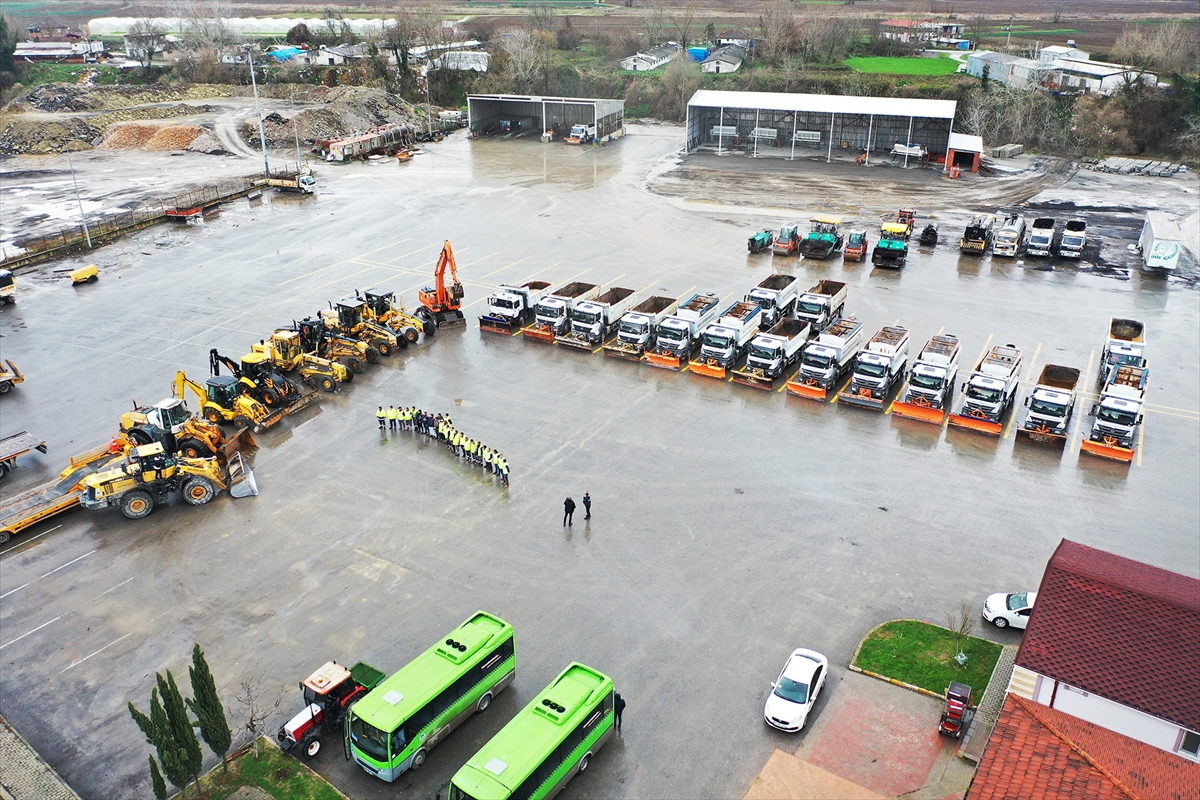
{"points": [[39, 247]]}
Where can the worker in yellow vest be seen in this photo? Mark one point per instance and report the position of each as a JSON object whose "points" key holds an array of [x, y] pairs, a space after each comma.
{"points": [[381, 415], [391, 418]]}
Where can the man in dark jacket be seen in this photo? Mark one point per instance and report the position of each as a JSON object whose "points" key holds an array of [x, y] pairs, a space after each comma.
{"points": [[568, 511], [619, 707]]}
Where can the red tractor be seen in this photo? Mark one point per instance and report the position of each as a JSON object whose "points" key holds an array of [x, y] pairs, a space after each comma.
{"points": [[906, 217], [328, 694], [442, 306], [956, 719]]}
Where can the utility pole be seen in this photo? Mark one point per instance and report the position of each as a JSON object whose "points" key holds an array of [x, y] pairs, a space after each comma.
{"points": [[86, 234], [295, 130], [428, 105], [262, 137], [1008, 41]]}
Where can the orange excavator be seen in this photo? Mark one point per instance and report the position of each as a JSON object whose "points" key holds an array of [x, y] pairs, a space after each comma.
{"points": [[442, 306]]}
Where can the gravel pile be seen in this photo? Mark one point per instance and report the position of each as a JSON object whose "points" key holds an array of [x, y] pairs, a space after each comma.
{"points": [[173, 137], [18, 136], [150, 136]]}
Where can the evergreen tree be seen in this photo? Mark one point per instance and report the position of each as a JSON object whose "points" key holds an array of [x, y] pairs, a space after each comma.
{"points": [[156, 780], [158, 733], [8, 43], [180, 726], [207, 706]]}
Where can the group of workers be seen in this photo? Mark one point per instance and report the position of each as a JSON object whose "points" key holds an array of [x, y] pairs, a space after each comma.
{"points": [[440, 426]]}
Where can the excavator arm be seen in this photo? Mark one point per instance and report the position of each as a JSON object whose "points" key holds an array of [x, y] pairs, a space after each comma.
{"points": [[215, 360], [447, 298]]}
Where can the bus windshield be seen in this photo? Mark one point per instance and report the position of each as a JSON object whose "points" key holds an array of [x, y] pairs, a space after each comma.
{"points": [[369, 739]]}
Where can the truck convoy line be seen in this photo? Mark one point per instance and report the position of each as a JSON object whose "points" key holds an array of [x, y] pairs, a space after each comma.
{"points": [[637, 331], [552, 315]]}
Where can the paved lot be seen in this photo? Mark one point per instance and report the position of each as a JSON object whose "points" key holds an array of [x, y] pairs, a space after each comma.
{"points": [[730, 525]]}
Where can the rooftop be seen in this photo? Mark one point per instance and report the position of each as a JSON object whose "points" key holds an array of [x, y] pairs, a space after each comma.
{"points": [[825, 103], [1038, 752], [1119, 628]]}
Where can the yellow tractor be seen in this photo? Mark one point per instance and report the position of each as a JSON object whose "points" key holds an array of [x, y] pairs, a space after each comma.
{"points": [[171, 424], [285, 351], [317, 339], [257, 377], [348, 317], [381, 309], [221, 400], [148, 475]]}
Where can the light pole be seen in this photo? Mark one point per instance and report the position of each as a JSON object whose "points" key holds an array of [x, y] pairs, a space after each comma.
{"points": [[262, 137], [86, 234]]}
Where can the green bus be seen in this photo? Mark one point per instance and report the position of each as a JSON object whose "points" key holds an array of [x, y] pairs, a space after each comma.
{"points": [[393, 728], [543, 747]]}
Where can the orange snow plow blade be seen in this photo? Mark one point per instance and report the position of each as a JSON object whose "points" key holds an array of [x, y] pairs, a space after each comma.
{"points": [[1041, 435], [1113, 451], [812, 391], [753, 377], [540, 333], [924, 413], [710, 369], [980, 424], [664, 361]]}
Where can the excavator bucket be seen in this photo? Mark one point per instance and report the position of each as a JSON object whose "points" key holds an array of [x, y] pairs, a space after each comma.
{"points": [[1113, 451], [810, 391], [664, 360], [540, 333], [977, 424], [709, 369], [241, 478], [923, 413]]}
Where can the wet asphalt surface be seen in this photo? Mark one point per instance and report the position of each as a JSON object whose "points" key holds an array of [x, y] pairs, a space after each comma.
{"points": [[730, 525]]}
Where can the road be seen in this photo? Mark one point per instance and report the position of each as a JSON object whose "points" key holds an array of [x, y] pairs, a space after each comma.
{"points": [[730, 525]]}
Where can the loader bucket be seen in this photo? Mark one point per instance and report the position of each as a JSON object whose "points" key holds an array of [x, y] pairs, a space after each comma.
{"points": [[979, 424], [664, 360], [1113, 452], [923, 413], [811, 391], [709, 369], [539, 333], [241, 478], [242, 444]]}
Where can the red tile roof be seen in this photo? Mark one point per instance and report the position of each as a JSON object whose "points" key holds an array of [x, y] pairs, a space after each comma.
{"points": [[1118, 628], [1037, 752]]}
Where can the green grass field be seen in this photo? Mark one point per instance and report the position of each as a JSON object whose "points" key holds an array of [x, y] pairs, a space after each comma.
{"points": [[281, 776], [903, 66], [923, 655]]}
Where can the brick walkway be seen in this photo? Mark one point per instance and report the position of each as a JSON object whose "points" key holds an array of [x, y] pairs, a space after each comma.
{"points": [[989, 707], [23, 773]]}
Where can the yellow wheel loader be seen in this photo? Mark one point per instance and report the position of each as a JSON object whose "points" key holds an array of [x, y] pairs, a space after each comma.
{"points": [[285, 351], [147, 476], [171, 424], [221, 400]]}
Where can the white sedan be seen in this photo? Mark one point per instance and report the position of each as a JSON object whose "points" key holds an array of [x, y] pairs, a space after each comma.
{"points": [[1004, 610], [795, 691]]}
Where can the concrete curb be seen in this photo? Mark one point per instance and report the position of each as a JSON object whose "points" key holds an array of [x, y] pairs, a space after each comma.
{"points": [[894, 682], [855, 668]]}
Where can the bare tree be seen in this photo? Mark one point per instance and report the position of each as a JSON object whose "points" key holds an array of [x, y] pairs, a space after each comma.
{"points": [[526, 56], [542, 16], [656, 24], [399, 34], [679, 82], [683, 21], [978, 26], [778, 31], [255, 710], [145, 37], [961, 623], [1056, 15]]}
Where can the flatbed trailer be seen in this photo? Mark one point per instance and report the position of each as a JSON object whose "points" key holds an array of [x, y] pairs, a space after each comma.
{"points": [[12, 447], [40, 503]]}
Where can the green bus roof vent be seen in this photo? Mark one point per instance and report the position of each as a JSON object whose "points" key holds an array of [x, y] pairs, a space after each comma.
{"points": [[463, 643], [562, 700]]}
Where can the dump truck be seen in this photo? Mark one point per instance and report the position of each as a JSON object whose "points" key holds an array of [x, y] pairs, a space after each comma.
{"points": [[28, 508], [930, 386], [14, 446], [1074, 237], [879, 368], [593, 321], [328, 693], [892, 250], [285, 350], [552, 315], [763, 240], [856, 246], [772, 354], [302, 182], [147, 476], [824, 238], [1050, 405], [723, 342], [679, 333], [1118, 414], [10, 376], [788, 240], [1041, 238], [978, 234], [1124, 347], [637, 330], [825, 359], [510, 306], [822, 305], [776, 296], [990, 390], [1008, 239], [581, 134]]}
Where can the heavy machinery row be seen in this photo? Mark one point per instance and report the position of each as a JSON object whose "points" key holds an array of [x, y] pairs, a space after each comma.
{"points": [[776, 334], [163, 449]]}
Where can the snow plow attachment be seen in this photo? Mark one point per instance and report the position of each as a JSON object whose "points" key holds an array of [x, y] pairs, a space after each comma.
{"points": [[576, 340], [1042, 435], [979, 424], [664, 360], [539, 333], [861, 398], [624, 350], [810, 390], [496, 325], [917, 411], [241, 478], [754, 377], [709, 369], [1108, 449]]}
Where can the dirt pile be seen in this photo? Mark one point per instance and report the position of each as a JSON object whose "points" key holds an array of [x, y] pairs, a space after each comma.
{"points": [[207, 143], [20, 136], [63, 97], [348, 109], [150, 136]]}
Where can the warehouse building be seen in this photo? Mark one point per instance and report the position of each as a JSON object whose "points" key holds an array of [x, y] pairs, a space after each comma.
{"points": [[502, 113], [910, 131]]}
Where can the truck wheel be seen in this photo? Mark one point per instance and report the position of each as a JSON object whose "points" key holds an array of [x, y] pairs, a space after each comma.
{"points": [[327, 383], [411, 334], [270, 398], [137, 504], [212, 415], [140, 437], [242, 421], [372, 355], [384, 348], [197, 491], [4, 537], [191, 448], [354, 364]]}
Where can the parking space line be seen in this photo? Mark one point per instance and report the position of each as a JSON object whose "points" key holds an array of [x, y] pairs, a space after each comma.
{"points": [[51, 572], [30, 539], [35, 630], [338, 264], [1080, 420], [513, 264], [1141, 445], [98, 652], [844, 385], [476, 261], [409, 253], [113, 589], [986, 345], [1032, 364]]}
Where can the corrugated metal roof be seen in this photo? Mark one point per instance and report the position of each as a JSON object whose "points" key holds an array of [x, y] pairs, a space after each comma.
{"points": [[965, 143], [826, 103]]}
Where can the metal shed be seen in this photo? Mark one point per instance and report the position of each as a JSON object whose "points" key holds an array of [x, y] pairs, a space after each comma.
{"points": [[778, 123], [521, 111]]}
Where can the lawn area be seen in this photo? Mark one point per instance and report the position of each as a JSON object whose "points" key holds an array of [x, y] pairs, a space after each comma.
{"points": [[923, 655], [279, 775], [903, 66]]}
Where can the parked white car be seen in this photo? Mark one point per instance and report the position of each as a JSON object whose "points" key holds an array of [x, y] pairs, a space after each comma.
{"points": [[1005, 610], [795, 691]]}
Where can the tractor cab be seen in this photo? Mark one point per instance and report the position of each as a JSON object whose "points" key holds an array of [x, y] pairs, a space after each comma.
{"points": [[329, 683], [380, 303], [350, 313], [150, 462], [166, 415], [222, 390], [906, 217], [256, 367], [287, 346], [310, 333]]}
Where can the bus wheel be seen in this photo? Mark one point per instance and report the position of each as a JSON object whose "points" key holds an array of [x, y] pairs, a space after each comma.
{"points": [[313, 748], [418, 758], [484, 702], [583, 762]]}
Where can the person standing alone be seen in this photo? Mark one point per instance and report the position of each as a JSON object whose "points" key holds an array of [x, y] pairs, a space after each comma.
{"points": [[618, 707], [587, 506], [568, 511]]}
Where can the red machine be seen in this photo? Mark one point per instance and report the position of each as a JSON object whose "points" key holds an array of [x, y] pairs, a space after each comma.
{"points": [[328, 693], [442, 306], [957, 716], [906, 217]]}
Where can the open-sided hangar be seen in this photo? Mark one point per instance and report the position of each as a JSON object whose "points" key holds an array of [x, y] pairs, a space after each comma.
{"points": [[520, 112], [778, 123]]}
